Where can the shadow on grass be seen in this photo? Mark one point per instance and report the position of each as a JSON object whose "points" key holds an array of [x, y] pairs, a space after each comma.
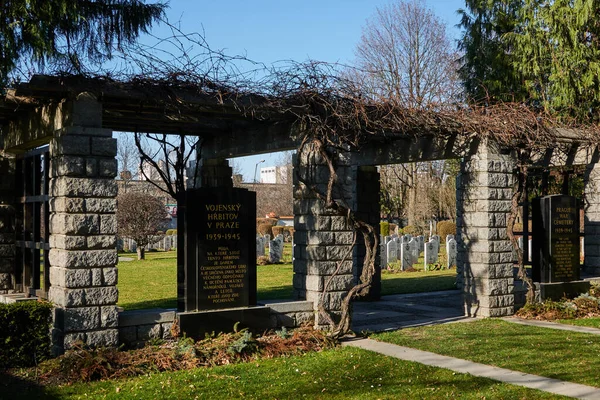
{"points": [[275, 293], [417, 284], [14, 388]]}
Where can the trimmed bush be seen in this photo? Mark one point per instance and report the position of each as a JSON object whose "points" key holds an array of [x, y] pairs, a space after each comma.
{"points": [[270, 221], [384, 228], [277, 230], [412, 230], [288, 233], [265, 229], [393, 228], [171, 232], [445, 228], [24, 333]]}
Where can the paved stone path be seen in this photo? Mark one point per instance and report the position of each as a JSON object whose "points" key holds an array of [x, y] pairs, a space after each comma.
{"points": [[407, 310], [468, 367]]}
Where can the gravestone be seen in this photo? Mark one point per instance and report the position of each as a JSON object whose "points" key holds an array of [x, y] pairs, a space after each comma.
{"points": [[260, 247], [276, 249], [383, 254], [391, 251], [520, 242], [451, 253], [431, 253], [556, 246], [406, 257], [414, 249]]}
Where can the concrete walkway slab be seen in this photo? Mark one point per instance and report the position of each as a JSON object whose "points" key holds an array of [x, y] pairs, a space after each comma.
{"points": [[553, 325], [476, 369]]}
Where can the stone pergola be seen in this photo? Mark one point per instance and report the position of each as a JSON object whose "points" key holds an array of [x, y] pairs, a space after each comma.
{"points": [[76, 118]]}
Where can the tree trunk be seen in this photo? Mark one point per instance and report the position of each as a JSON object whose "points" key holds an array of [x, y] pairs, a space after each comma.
{"points": [[141, 253]]}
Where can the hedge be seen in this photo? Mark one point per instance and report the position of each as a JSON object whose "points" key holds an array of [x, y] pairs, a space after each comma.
{"points": [[24, 333], [445, 228]]}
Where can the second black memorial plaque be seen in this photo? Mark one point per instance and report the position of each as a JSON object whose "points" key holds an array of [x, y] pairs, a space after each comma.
{"points": [[556, 239], [220, 254]]}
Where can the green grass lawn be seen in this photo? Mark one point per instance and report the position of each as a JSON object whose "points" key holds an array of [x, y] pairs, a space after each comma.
{"points": [[342, 373], [564, 355], [151, 283], [589, 322]]}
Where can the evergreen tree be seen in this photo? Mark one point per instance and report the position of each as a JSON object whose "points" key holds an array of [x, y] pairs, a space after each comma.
{"points": [[69, 31], [557, 53], [486, 71]]}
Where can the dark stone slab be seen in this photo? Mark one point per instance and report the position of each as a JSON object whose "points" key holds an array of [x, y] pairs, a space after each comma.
{"points": [[569, 290], [220, 251], [556, 245], [197, 324]]}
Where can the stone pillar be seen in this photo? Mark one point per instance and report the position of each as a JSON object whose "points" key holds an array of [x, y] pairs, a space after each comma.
{"points": [[323, 237], [485, 257], [592, 219], [7, 224], [215, 173], [83, 227], [367, 208]]}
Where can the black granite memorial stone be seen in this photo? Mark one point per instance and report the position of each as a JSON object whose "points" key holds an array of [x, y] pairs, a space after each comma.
{"points": [[556, 243], [220, 254]]}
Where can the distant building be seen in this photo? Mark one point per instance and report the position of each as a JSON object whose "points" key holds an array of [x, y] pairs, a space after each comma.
{"points": [[275, 174]]}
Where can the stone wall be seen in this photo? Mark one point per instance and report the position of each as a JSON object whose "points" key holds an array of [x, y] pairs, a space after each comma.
{"points": [[485, 256], [83, 227]]}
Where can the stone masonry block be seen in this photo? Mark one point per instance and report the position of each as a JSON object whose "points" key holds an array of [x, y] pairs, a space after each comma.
{"points": [[104, 146], [99, 296], [70, 278], [344, 237], [83, 259], [74, 224], [329, 267], [82, 319], [316, 253], [91, 167], [107, 168], [103, 338], [67, 205], [68, 166], [82, 187], [84, 131], [96, 276], [109, 317], [67, 242], [108, 224], [7, 250], [338, 253], [101, 206], [70, 145], [320, 238], [147, 332], [102, 242], [339, 223]]}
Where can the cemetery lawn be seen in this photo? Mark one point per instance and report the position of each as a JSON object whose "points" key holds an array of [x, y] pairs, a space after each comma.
{"points": [[340, 373], [564, 355], [151, 283], [589, 322]]}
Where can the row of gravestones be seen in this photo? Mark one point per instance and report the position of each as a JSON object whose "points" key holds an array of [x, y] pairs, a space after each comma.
{"points": [[407, 249], [275, 247], [165, 243]]}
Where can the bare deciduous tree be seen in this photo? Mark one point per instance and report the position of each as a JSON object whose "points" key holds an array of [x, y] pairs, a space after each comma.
{"points": [[405, 56], [140, 217]]}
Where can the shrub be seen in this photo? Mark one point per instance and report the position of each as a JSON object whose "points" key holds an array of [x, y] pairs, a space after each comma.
{"points": [[277, 230], [384, 228], [412, 230], [25, 333], [393, 228], [445, 228], [270, 221], [171, 232], [265, 229]]}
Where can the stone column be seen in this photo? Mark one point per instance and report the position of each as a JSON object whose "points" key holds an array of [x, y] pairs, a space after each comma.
{"points": [[485, 257], [7, 224], [215, 173], [322, 238], [83, 227], [592, 218]]}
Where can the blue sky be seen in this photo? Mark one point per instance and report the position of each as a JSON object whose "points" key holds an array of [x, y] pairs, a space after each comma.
{"points": [[274, 30]]}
